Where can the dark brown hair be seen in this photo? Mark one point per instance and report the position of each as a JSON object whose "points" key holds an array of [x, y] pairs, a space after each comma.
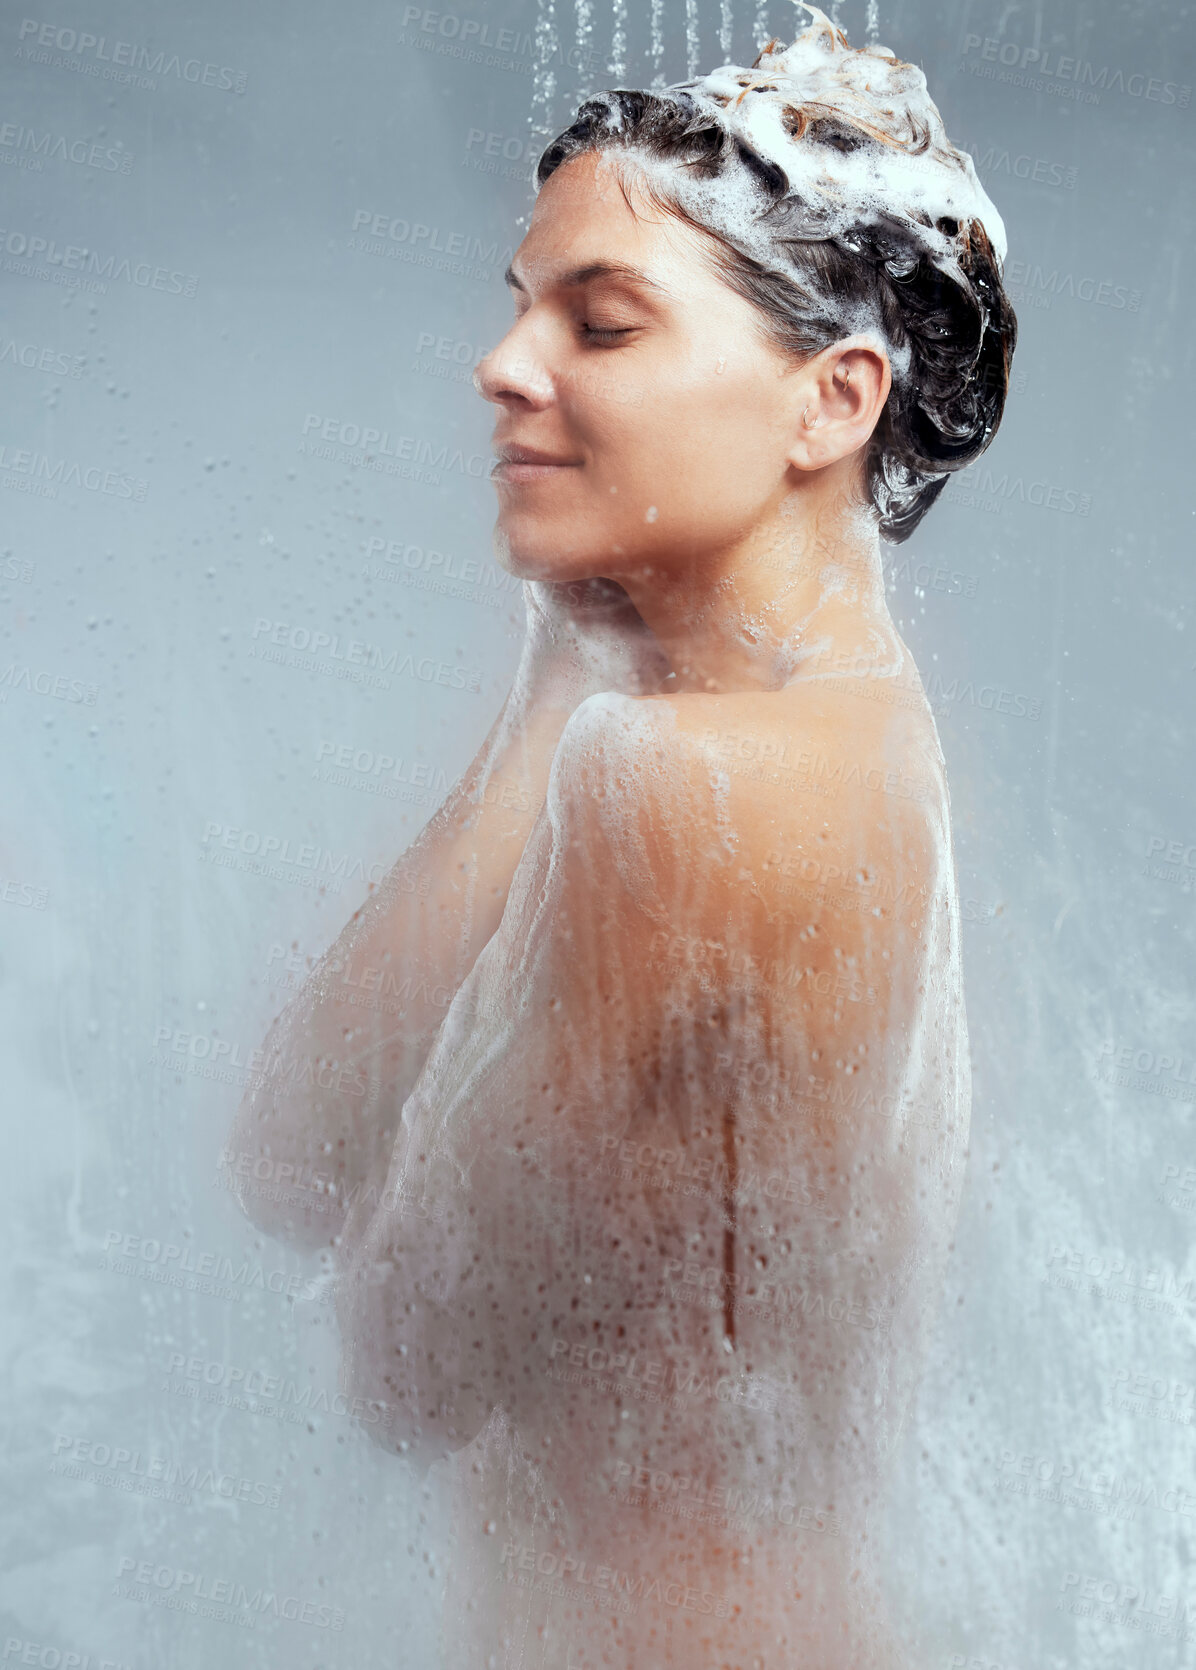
{"points": [[958, 324]]}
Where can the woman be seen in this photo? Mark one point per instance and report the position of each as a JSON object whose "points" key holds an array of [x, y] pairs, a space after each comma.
{"points": [[645, 1231]]}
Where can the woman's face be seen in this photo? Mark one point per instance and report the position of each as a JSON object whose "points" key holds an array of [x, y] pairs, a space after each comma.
{"points": [[670, 413]]}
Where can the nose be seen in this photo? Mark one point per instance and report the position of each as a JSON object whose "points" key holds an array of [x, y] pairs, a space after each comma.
{"points": [[512, 372]]}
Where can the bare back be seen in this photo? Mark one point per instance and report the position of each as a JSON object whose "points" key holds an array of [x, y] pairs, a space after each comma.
{"points": [[677, 1182]]}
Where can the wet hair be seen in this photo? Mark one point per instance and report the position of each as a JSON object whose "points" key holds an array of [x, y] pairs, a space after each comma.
{"points": [[949, 324]]}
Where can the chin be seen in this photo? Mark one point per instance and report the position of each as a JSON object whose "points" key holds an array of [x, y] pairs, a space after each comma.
{"points": [[541, 558]]}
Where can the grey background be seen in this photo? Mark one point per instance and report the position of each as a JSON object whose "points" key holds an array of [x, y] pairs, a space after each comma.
{"points": [[127, 954]]}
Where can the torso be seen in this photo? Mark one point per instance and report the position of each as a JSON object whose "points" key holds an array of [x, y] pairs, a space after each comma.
{"points": [[706, 1428]]}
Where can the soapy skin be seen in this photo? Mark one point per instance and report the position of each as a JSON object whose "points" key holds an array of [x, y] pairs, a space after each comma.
{"points": [[641, 1238]]}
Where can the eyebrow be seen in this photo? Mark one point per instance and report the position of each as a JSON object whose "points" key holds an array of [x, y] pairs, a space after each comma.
{"points": [[595, 269]]}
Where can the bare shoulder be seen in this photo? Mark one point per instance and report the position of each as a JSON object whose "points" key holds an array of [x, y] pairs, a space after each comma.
{"points": [[807, 745], [623, 790], [618, 753], [809, 785]]}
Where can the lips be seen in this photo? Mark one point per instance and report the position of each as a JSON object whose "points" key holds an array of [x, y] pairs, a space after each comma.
{"points": [[513, 454], [524, 463]]}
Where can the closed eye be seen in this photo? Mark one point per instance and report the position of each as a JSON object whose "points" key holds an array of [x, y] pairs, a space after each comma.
{"points": [[596, 334]]}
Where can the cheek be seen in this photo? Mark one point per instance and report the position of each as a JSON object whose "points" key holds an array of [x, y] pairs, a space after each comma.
{"points": [[713, 448]]}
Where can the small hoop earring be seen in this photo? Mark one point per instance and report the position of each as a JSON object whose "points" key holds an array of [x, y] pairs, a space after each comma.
{"points": [[806, 425]]}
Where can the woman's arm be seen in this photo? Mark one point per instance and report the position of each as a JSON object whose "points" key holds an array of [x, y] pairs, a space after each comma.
{"points": [[654, 1192], [320, 1120]]}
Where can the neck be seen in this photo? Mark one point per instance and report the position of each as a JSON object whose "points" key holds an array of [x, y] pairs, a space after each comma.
{"points": [[746, 616]]}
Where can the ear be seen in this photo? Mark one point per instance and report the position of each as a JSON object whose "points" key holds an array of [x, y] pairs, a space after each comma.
{"points": [[837, 399]]}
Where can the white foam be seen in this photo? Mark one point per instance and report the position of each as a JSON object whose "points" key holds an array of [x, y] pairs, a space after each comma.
{"points": [[906, 169]]}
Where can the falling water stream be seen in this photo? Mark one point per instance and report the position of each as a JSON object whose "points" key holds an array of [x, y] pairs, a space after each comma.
{"points": [[554, 99]]}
